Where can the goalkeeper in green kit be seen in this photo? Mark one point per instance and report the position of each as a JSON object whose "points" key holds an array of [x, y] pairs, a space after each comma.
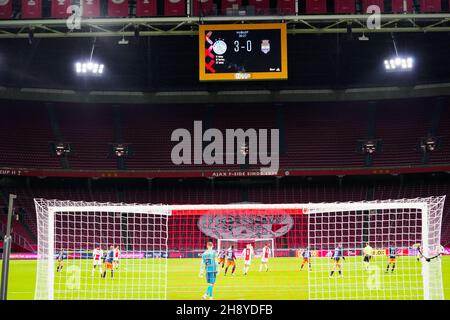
{"points": [[210, 266]]}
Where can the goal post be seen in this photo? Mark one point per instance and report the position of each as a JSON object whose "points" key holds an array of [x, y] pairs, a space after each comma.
{"points": [[70, 230]]}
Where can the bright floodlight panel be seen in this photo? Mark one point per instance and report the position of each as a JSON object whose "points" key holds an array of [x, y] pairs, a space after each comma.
{"points": [[243, 52]]}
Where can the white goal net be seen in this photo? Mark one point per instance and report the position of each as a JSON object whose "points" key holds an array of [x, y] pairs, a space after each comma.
{"points": [[410, 228], [89, 250], [332, 239]]}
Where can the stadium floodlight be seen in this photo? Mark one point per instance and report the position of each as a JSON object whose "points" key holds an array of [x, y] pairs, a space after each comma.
{"points": [[399, 64], [89, 67]]}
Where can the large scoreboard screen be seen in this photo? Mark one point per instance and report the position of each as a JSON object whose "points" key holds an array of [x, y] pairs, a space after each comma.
{"points": [[243, 52]]}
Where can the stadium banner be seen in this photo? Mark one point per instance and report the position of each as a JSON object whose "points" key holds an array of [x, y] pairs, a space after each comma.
{"points": [[117, 8], [5, 9], [155, 254], [59, 8], [177, 254], [146, 8], [379, 252], [4, 171], [90, 8], [31, 9], [195, 254], [23, 256], [329, 253], [400, 252], [174, 8], [299, 253]]}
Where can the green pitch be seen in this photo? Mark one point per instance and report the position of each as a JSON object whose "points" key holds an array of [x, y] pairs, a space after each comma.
{"points": [[283, 281]]}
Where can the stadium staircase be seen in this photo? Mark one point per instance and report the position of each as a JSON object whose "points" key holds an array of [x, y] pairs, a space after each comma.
{"points": [[371, 134], [118, 133], [57, 133]]}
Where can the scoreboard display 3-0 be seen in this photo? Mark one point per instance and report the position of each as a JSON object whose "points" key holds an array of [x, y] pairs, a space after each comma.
{"points": [[243, 52]]}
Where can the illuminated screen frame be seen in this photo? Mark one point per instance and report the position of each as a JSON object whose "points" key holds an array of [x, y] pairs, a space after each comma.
{"points": [[283, 75]]}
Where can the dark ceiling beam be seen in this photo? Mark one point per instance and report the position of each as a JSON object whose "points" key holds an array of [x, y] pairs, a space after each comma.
{"points": [[187, 26], [225, 96]]}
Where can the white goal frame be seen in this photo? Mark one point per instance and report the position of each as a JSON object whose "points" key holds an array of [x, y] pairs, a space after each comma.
{"points": [[430, 209], [46, 210]]}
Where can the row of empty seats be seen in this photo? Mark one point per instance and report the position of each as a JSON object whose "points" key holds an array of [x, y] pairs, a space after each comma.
{"points": [[149, 8], [312, 135]]}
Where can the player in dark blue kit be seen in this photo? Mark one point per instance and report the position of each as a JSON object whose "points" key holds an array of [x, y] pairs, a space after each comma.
{"points": [[60, 261], [109, 263], [337, 256], [392, 254]]}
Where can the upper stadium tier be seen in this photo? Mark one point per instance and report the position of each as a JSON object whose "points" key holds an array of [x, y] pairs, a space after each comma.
{"points": [[315, 138]]}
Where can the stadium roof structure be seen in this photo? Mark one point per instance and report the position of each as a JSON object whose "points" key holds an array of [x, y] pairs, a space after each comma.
{"points": [[172, 26], [225, 96]]}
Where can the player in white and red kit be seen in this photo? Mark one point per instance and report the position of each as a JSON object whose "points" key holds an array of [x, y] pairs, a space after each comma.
{"points": [[116, 257], [97, 256], [265, 257], [247, 254]]}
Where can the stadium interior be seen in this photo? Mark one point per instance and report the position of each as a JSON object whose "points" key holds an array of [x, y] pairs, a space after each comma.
{"points": [[349, 130]]}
